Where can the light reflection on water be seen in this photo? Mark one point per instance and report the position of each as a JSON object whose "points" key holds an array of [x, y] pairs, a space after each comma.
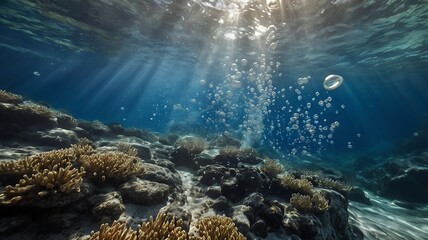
{"points": [[386, 220]]}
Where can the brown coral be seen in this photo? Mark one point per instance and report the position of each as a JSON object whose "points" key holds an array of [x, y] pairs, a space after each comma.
{"points": [[39, 162], [304, 203], [8, 97], [64, 180], [217, 228], [161, 228], [296, 185], [272, 168], [117, 231], [333, 184], [111, 165]]}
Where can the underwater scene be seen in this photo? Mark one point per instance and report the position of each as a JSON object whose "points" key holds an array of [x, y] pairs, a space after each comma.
{"points": [[213, 119]]}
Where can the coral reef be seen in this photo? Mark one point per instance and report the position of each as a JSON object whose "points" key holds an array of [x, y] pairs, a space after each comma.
{"points": [[272, 168], [116, 166], [65, 180], [296, 185], [117, 231], [216, 228], [8, 97], [194, 145], [315, 203], [333, 184], [162, 228]]}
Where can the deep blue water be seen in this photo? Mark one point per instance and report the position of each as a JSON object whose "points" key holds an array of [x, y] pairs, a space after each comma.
{"points": [[145, 70]]}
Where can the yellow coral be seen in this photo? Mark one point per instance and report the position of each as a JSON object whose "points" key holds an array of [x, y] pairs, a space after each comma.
{"points": [[217, 228], [39, 162], [111, 165], [117, 231], [317, 203], [65, 180], [272, 168], [162, 228], [333, 184], [297, 185]]}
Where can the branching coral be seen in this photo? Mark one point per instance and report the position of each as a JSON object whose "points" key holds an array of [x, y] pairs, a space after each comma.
{"points": [[272, 168], [317, 203], [216, 228], [194, 145], [117, 231], [43, 174], [111, 165], [65, 180], [162, 228], [333, 184], [296, 185], [8, 97], [47, 160]]}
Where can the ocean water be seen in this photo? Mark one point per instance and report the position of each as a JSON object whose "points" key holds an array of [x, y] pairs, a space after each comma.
{"points": [[250, 69]]}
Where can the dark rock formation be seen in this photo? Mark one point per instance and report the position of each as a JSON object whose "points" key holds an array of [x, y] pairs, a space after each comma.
{"points": [[144, 192]]}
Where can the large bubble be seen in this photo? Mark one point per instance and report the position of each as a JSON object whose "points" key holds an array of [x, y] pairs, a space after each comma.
{"points": [[332, 82]]}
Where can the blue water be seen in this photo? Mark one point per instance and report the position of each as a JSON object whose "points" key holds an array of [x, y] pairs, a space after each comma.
{"points": [[141, 66]]}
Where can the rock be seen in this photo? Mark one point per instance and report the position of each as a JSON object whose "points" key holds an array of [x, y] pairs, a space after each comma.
{"points": [[254, 200], [225, 140], [95, 129], [13, 224], [332, 224], [57, 138], [143, 151], [144, 192], [164, 140], [229, 188], [221, 204], [250, 180], [58, 199], [399, 179], [65, 121], [203, 160], [55, 223], [357, 194], [407, 186], [160, 174], [162, 163], [272, 213], [23, 117], [242, 222], [211, 174], [140, 133], [213, 192], [116, 128], [227, 161], [107, 207], [259, 228], [181, 157]]}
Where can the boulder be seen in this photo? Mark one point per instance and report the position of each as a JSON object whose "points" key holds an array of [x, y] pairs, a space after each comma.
{"points": [[144, 192], [107, 207]]}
